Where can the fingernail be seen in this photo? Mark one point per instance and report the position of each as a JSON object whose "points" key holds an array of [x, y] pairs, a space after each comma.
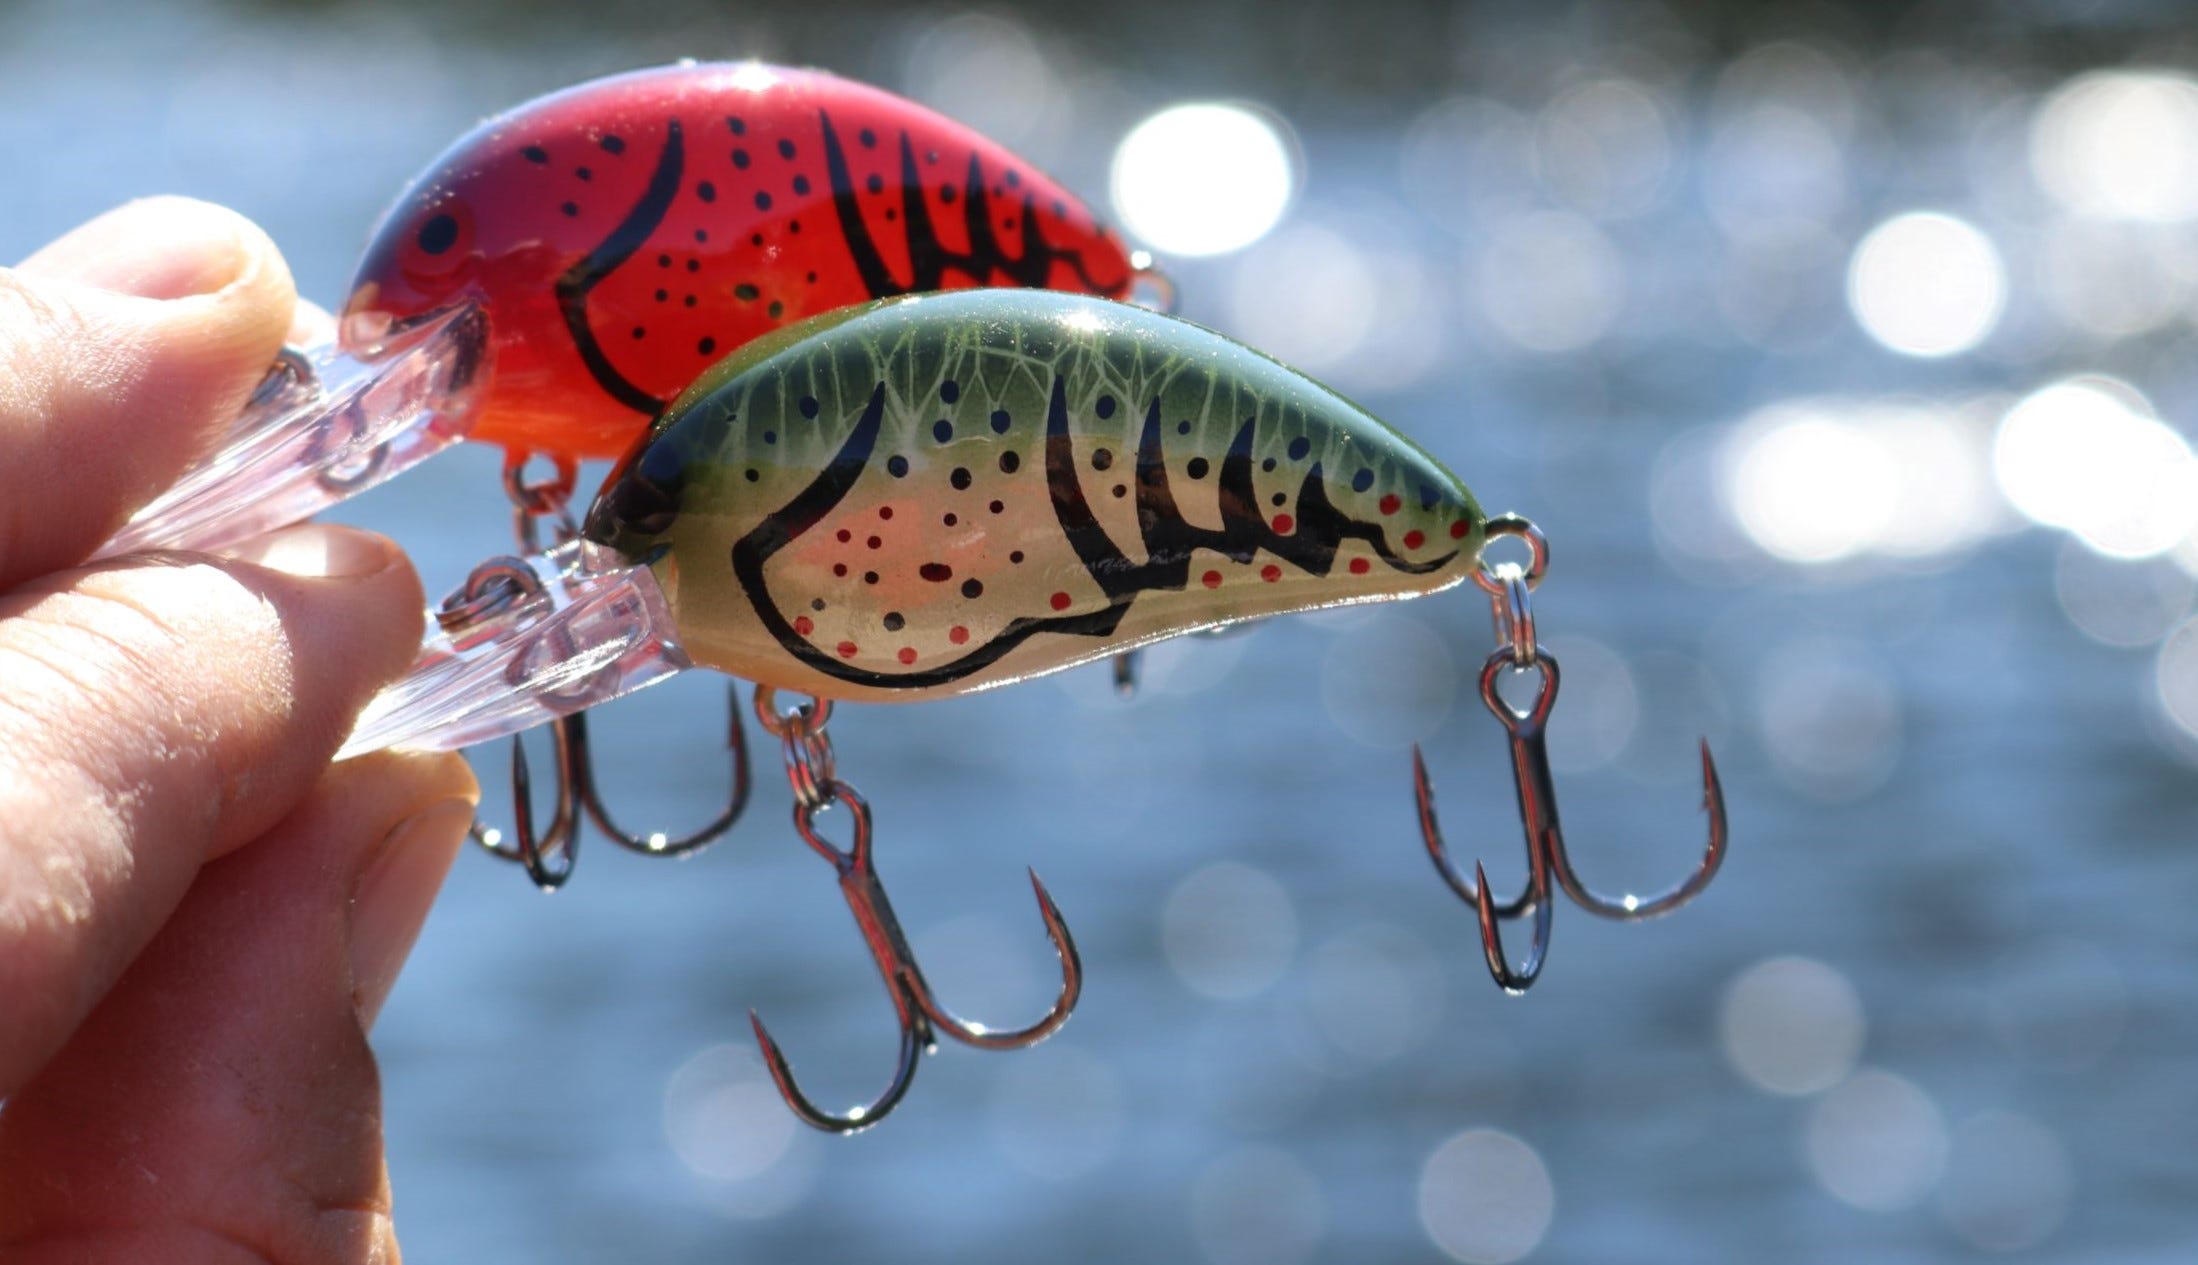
{"points": [[157, 248], [318, 551], [393, 896]]}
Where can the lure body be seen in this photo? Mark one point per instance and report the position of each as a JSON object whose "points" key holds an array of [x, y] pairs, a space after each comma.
{"points": [[931, 495], [625, 234]]}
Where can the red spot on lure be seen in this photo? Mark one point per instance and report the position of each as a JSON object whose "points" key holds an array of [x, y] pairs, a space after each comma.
{"points": [[624, 234]]}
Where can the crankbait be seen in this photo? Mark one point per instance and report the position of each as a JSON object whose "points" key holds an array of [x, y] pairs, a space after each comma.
{"points": [[925, 496], [559, 274]]}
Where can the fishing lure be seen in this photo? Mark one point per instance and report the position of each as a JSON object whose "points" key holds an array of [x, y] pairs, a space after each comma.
{"points": [[937, 494], [559, 274]]}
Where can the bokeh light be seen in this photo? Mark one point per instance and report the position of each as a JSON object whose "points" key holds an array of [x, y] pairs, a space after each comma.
{"points": [[1374, 992], [724, 1119], [1927, 284], [1791, 1025], [1486, 1198], [2175, 677], [2120, 603], [1058, 1114], [1549, 281], [2120, 144], [1831, 718], [1229, 930], [1257, 1206], [1204, 178], [1876, 1142], [2086, 454], [2008, 1182], [1389, 680], [1824, 480], [1604, 147]]}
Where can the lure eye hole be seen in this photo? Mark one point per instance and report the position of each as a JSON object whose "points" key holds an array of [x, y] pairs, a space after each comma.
{"points": [[440, 241]]}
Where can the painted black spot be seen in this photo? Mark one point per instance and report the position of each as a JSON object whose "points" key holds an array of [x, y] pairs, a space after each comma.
{"points": [[936, 572], [960, 479], [706, 191], [897, 466], [1361, 481], [1016, 557], [770, 437], [535, 154], [1268, 464], [973, 589], [613, 144], [1060, 210], [801, 186], [740, 159], [931, 156], [690, 300], [737, 123], [763, 200], [583, 173], [1000, 421], [894, 622], [951, 518], [868, 138], [1014, 177], [1121, 490], [702, 234], [776, 309], [869, 577], [570, 208], [1010, 462], [706, 346], [694, 265], [1182, 428], [640, 332], [946, 194], [942, 430], [816, 603], [875, 184], [439, 234], [950, 390], [874, 542], [1299, 447], [1428, 497], [1102, 459], [785, 148], [794, 227], [808, 406], [745, 292], [1280, 499], [812, 278], [892, 214], [1197, 468], [753, 476], [997, 506], [663, 295], [755, 239], [1105, 408]]}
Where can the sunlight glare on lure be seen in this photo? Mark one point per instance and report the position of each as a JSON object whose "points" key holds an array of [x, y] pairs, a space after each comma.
{"points": [[926, 496], [563, 271]]}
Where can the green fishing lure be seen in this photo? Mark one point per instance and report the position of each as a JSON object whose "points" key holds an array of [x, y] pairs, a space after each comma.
{"points": [[935, 494]]}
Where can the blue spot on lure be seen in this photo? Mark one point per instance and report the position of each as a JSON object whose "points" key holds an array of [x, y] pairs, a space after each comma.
{"points": [[942, 493]]}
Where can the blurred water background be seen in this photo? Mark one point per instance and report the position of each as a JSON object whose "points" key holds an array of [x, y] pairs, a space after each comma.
{"points": [[1844, 351]]}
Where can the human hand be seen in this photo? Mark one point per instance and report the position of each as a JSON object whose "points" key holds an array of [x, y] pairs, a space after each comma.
{"points": [[199, 917]]}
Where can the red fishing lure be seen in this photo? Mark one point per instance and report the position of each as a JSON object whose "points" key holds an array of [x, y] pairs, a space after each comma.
{"points": [[625, 234]]}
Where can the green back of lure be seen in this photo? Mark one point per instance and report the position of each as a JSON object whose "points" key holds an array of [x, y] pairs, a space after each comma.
{"points": [[935, 494]]}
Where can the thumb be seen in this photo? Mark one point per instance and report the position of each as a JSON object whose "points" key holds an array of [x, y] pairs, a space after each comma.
{"points": [[125, 347], [222, 1096]]}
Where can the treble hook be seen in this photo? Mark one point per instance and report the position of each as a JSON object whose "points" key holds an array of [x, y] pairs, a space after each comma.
{"points": [[809, 769], [549, 855], [1509, 586]]}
